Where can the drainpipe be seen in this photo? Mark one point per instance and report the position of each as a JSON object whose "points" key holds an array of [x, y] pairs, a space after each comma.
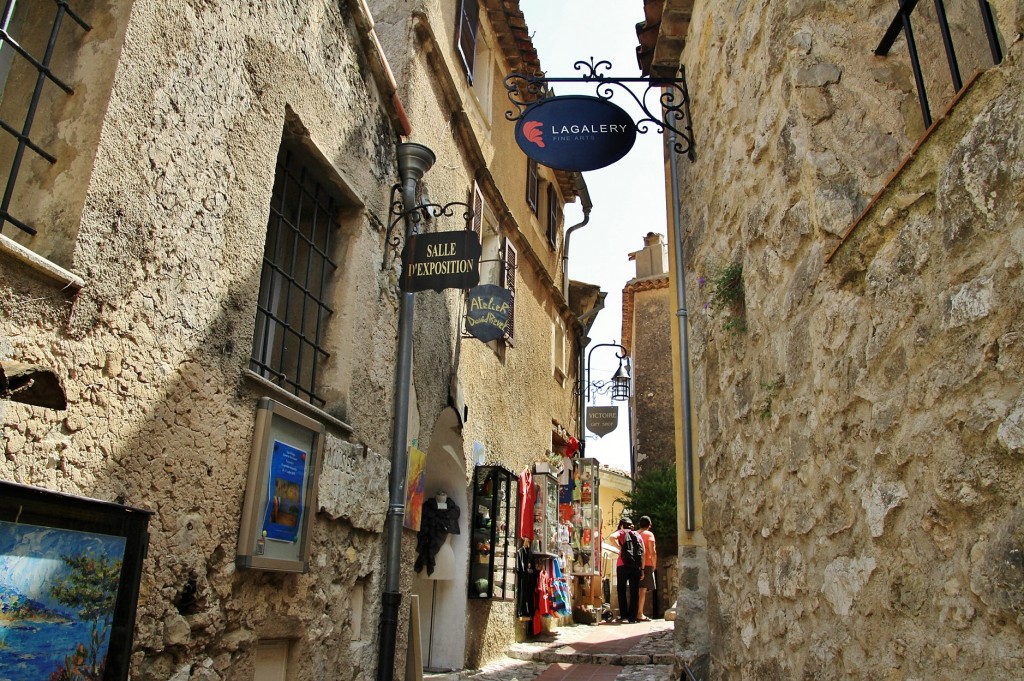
{"points": [[684, 349], [588, 205], [583, 341], [413, 161]]}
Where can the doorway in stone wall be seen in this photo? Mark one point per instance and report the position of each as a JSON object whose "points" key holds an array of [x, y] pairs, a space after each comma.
{"points": [[442, 595]]}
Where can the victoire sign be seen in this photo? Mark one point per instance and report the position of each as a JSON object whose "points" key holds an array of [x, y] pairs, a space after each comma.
{"points": [[602, 420], [575, 132], [440, 260]]}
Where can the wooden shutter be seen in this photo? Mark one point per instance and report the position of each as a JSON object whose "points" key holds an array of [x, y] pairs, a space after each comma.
{"points": [[510, 283], [476, 204], [467, 22], [552, 216], [532, 185]]}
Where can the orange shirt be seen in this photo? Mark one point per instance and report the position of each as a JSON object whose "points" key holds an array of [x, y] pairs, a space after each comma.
{"points": [[650, 550]]}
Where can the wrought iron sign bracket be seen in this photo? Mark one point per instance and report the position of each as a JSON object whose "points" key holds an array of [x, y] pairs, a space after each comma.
{"points": [[670, 110], [424, 211]]}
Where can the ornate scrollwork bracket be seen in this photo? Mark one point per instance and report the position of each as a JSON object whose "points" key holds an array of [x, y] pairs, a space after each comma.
{"points": [[418, 214], [668, 109]]}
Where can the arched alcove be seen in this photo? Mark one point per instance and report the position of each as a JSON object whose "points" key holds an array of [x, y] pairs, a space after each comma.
{"points": [[443, 594]]}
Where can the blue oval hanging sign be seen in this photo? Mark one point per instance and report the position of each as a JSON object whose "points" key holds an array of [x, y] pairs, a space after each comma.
{"points": [[575, 132]]}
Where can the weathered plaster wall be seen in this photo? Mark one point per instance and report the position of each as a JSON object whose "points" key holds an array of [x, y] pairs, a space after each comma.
{"points": [[654, 432], [860, 443], [511, 391], [154, 350]]}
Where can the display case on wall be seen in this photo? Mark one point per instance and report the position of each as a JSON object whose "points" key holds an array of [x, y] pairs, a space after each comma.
{"points": [[492, 549], [545, 515], [585, 533]]}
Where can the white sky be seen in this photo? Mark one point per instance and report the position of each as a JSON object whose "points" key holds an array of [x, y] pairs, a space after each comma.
{"points": [[628, 196]]}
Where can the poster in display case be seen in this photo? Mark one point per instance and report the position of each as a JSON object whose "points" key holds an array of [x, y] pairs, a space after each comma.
{"points": [[280, 495]]}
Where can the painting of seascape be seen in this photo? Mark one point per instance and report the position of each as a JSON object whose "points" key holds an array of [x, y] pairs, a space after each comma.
{"points": [[58, 590]]}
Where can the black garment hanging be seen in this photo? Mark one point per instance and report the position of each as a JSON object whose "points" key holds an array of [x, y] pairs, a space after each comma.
{"points": [[526, 582], [435, 525]]}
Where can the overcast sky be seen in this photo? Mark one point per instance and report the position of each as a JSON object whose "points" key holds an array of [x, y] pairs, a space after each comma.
{"points": [[629, 196]]}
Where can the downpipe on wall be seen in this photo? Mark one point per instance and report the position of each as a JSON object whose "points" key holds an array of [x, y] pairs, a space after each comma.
{"points": [[681, 321], [414, 160]]}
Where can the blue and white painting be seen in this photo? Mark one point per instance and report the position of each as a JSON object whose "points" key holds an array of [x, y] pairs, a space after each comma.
{"points": [[57, 594]]}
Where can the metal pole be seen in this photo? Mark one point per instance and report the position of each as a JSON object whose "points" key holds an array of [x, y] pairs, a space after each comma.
{"points": [[684, 348], [413, 161]]}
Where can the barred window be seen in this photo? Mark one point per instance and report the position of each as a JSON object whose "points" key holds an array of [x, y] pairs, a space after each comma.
{"points": [[292, 313]]}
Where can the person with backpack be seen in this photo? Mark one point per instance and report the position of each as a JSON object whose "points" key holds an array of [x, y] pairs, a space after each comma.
{"points": [[628, 569]]}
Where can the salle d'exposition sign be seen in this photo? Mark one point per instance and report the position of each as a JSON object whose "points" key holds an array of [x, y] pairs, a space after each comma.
{"points": [[602, 420], [575, 132], [487, 312], [440, 260]]}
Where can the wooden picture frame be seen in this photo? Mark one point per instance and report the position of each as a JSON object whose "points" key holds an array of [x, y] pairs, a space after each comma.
{"points": [[70, 569]]}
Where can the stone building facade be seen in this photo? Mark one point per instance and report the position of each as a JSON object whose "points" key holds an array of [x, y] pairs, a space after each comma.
{"points": [[859, 442], [646, 335], [151, 287]]}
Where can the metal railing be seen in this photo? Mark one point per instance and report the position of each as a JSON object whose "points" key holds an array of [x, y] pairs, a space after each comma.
{"points": [[41, 65], [901, 23]]}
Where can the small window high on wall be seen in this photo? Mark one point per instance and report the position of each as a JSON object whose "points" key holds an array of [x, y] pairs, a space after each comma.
{"points": [[56, 74], [552, 216], [467, 23], [532, 185]]}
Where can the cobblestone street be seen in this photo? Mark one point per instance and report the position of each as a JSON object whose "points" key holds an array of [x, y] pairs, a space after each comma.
{"points": [[606, 652]]}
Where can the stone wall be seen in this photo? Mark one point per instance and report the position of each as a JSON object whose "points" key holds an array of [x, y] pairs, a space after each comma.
{"points": [[861, 441], [154, 349]]}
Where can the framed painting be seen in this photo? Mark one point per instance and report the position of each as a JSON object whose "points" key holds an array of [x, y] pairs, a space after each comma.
{"points": [[69, 585]]}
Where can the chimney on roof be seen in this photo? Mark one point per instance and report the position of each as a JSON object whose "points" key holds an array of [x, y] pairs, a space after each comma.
{"points": [[652, 260]]}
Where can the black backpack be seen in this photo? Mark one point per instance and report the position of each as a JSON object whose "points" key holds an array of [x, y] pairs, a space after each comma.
{"points": [[632, 549]]}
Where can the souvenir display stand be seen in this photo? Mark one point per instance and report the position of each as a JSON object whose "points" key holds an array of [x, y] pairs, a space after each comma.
{"points": [[585, 519], [493, 538], [545, 517]]}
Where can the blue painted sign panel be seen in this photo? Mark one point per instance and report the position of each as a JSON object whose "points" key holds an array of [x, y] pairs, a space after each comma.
{"points": [[488, 310], [575, 132]]}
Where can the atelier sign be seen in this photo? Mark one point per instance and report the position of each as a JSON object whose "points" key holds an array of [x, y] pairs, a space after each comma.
{"points": [[488, 310], [440, 260], [575, 132], [602, 420]]}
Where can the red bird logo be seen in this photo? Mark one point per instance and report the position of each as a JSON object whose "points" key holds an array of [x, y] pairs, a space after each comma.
{"points": [[533, 130]]}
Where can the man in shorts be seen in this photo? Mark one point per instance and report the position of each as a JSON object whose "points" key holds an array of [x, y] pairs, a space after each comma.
{"points": [[647, 581]]}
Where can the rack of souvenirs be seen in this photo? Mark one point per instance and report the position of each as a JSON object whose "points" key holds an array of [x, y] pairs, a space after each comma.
{"points": [[559, 539]]}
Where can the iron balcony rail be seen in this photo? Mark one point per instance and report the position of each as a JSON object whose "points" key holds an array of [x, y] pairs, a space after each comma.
{"points": [[901, 24]]}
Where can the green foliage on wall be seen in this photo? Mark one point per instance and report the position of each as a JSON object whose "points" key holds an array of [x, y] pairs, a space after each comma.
{"points": [[654, 495], [726, 293]]}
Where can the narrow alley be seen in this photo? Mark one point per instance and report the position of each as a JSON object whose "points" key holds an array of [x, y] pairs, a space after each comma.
{"points": [[641, 651]]}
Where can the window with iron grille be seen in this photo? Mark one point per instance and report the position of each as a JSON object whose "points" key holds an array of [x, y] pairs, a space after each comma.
{"points": [[35, 36], [292, 312]]}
